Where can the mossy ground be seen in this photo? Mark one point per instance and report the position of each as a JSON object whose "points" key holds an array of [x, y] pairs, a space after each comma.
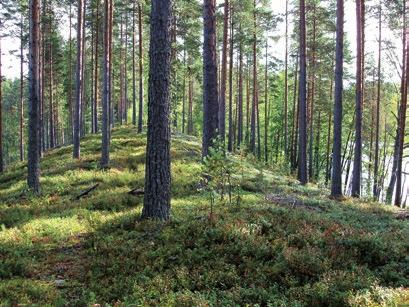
{"points": [[282, 245]]}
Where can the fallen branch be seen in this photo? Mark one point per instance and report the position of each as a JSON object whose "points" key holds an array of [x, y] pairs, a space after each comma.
{"points": [[137, 192], [86, 192]]}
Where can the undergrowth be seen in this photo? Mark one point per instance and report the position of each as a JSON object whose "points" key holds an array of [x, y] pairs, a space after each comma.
{"points": [[281, 244]]}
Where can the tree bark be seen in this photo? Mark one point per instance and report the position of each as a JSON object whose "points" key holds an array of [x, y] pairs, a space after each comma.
{"points": [[336, 184], [79, 80], [231, 131], [33, 178], [376, 189], [21, 106], [106, 103], [210, 103], [157, 174], [140, 115], [357, 168], [223, 81], [302, 152]]}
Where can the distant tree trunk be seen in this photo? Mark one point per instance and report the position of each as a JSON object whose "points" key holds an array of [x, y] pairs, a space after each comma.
{"points": [[184, 93], [107, 65], [21, 106], [43, 143], [121, 101], [402, 115], [254, 104], [302, 152], [248, 105], [79, 80], [134, 64], [190, 105], [231, 131], [357, 169], [126, 70], [336, 183], [223, 81], [33, 178], [51, 87], [328, 152], [70, 103], [157, 174], [1, 113], [294, 128], [376, 189], [317, 148], [286, 84], [240, 102], [266, 117], [140, 115], [311, 96], [210, 103], [96, 71]]}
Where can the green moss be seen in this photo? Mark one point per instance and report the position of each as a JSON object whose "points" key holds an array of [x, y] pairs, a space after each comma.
{"points": [[297, 248]]}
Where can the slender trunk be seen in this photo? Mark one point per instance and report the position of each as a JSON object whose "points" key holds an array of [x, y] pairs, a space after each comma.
{"points": [[190, 105], [33, 178], [70, 103], [328, 154], [378, 106], [184, 93], [158, 173], [336, 184], [140, 115], [266, 119], [294, 128], [240, 102], [96, 71], [231, 131], [357, 169], [254, 104], [1, 114], [302, 160], [126, 70], [51, 88], [21, 106], [223, 80], [210, 103], [79, 81], [286, 84], [402, 116], [107, 65], [134, 64]]}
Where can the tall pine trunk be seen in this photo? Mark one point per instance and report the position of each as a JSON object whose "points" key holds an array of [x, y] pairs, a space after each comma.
{"points": [[106, 99], [157, 174], [79, 80], [21, 105], [140, 114], [210, 103], [357, 168], [223, 81], [376, 188], [231, 131], [33, 178], [302, 138], [336, 184]]}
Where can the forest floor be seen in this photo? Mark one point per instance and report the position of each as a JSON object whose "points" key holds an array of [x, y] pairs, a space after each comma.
{"points": [[277, 244]]}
